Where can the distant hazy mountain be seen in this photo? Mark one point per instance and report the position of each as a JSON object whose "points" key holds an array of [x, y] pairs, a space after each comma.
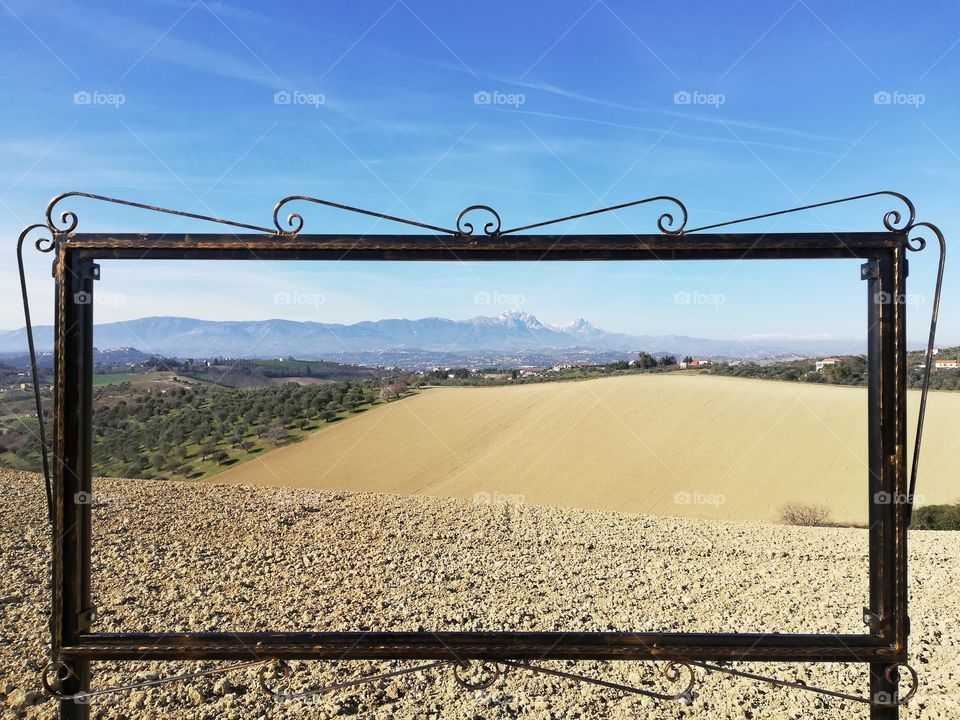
{"points": [[111, 356], [510, 333]]}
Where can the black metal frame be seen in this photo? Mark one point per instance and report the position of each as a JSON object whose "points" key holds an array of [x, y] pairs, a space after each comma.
{"points": [[884, 647]]}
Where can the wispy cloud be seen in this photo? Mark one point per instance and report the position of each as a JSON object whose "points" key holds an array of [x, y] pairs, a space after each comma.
{"points": [[653, 109], [92, 25], [676, 133]]}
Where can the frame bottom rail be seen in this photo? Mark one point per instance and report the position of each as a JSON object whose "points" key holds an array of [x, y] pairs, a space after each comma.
{"points": [[482, 646]]}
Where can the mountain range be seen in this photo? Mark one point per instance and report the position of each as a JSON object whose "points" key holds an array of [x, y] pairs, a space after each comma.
{"points": [[509, 334]]}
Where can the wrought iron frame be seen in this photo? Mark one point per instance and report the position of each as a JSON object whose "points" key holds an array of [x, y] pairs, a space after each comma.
{"points": [[883, 648]]}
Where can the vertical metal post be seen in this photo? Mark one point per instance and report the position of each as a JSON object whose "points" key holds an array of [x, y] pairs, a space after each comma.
{"points": [[887, 478], [901, 620], [72, 486]]}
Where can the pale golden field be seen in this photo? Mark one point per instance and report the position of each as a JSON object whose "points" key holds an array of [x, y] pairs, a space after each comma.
{"points": [[684, 445]]}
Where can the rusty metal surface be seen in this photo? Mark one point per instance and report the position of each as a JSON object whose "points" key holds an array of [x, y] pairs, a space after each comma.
{"points": [[480, 645], [613, 247]]}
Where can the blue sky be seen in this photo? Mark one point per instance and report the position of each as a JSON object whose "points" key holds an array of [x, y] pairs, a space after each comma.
{"points": [[422, 108]]}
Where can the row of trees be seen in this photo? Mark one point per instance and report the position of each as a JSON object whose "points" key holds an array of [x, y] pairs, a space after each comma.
{"points": [[186, 431], [149, 433], [646, 361], [851, 370]]}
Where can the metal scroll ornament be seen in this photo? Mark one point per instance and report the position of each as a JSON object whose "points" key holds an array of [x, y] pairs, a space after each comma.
{"points": [[893, 220], [669, 223], [477, 676], [491, 229], [294, 221]]}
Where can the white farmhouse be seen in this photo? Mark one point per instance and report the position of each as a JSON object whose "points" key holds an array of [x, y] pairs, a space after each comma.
{"points": [[821, 364]]}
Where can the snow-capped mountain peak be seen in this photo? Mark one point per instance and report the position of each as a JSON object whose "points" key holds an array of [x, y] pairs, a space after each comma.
{"points": [[580, 328], [519, 318]]}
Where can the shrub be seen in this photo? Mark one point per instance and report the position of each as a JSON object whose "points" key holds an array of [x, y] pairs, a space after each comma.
{"points": [[937, 517], [805, 515]]}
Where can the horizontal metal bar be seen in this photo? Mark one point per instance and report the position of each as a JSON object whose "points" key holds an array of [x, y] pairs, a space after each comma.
{"points": [[518, 247], [479, 645]]}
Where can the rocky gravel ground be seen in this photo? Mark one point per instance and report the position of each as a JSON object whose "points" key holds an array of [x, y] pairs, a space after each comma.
{"points": [[209, 557]]}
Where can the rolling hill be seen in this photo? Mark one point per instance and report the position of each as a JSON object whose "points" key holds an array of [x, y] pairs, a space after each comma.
{"points": [[700, 446]]}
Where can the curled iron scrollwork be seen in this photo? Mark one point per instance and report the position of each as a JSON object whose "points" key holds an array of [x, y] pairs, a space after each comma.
{"points": [[57, 672], [490, 673], [892, 219], [53, 675], [892, 675], [669, 223], [916, 244], [665, 223], [673, 671], [43, 244], [67, 216], [280, 670], [273, 670], [70, 220], [491, 229], [677, 672], [295, 220]]}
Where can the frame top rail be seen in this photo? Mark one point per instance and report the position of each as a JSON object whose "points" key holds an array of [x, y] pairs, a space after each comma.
{"points": [[854, 245]]}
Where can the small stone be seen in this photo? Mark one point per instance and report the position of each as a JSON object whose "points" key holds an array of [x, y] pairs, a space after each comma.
{"points": [[16, 698], [222, 687]]}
